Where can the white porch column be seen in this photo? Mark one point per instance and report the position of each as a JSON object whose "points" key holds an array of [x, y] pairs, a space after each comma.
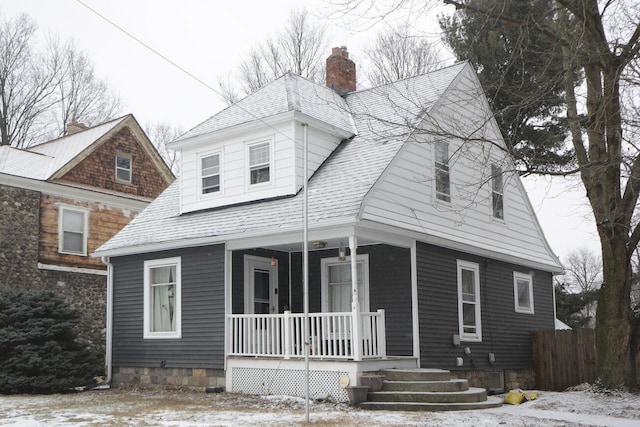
{"points": [[356, 333]]}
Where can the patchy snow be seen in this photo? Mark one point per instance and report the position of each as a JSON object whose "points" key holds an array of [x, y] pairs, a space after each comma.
{"points": [[180, 408]]}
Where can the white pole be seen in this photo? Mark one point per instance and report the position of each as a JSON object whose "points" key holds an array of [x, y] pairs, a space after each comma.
{"points": [[305, 270]]}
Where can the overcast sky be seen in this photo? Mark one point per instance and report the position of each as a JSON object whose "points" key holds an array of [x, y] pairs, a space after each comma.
{"points": [[208, 39]]}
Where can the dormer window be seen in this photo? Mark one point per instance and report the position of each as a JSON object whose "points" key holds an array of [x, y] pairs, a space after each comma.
{"points": [[259, 163], [210, 173], [123, 167]]}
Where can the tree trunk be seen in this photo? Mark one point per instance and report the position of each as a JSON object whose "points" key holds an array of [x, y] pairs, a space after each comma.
{"points": [[614, 320]]}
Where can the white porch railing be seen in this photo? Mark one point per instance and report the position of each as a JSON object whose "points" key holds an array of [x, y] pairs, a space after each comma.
{"points": [[282, 335]]}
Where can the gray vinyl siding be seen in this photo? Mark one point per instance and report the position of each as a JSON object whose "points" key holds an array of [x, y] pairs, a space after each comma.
{"points": [[202, 342], [505, 332], [389, 289]]}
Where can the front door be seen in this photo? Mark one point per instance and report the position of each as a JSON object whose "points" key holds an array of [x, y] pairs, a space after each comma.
{"points": [[260, 285]]}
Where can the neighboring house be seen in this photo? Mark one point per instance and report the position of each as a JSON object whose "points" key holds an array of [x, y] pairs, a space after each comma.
{"points": [[62, 199], [413, 207]]}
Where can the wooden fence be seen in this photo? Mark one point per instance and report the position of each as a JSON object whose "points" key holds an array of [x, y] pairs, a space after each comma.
{"points": [[564, 358]]}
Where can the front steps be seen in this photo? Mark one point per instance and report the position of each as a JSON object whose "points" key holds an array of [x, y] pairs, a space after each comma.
{"points": [[426, 390]]}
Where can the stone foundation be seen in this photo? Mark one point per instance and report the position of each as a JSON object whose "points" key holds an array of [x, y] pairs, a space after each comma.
{"points": [[190, 378], [523, 379]]}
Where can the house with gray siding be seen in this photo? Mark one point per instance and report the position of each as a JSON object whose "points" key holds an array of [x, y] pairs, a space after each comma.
{"points": [[370, 229]]}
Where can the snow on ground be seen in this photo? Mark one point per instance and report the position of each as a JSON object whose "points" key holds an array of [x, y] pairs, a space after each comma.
{"points": [[179, 408]]}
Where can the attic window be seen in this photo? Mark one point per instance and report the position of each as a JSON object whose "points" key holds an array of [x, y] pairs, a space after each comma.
{"points": [[259, 163], [123, 167], [497, 192], [443, 186]]}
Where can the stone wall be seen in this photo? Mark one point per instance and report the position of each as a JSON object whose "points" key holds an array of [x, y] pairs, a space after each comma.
{"points": [[19, 257], [19, 223], [196, 379], [524, 379]]}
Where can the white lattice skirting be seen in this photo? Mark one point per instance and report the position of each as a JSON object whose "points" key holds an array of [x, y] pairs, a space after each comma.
{"points": [[289, 382]]}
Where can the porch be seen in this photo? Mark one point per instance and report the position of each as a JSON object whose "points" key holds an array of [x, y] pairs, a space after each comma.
{"points": [[334, 336]]}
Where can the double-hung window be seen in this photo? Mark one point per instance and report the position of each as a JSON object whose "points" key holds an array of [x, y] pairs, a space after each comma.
{"points": [[470, 327], [72, 230], [210, 173], [123, 167], [443, 185], [523, 292], [497, 192], [260, 163], [162, 298]]}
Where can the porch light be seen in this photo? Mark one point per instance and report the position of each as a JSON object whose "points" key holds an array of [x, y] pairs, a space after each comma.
{"points": [[342, 252], [319, 244], [273, 261]]}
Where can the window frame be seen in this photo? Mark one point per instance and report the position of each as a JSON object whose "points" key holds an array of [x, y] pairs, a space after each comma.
{"points": [[497, 193], [327, 262], [201, 175], [85, 229], [516, 295], [129, 157], [467, 336], [444, 169], [269, 164], [148, 266]]}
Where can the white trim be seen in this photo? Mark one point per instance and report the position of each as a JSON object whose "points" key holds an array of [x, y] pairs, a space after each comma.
{"points": [[163, 262], [324, 291], [415, 314], [42, 266], [247, 169], [85, 225], [466, 336], [130, 170], [199, 158], [123, 201], [228, 301], [516, 303]]}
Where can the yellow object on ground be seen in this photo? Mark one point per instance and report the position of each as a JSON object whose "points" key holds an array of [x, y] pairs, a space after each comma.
{"points": [[516, 397]]}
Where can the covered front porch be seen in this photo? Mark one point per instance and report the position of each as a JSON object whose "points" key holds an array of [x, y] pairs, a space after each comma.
{"points": [[360, 297]]}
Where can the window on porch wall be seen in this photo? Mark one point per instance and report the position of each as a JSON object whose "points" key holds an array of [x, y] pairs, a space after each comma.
{"points": [[336, 279]]}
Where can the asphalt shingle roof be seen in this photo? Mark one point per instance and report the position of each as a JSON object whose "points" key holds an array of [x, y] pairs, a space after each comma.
{"points": [[42, 161], [338, 187]]}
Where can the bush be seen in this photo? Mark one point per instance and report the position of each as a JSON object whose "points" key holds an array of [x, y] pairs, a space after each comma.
{"points": [[39, 348]]}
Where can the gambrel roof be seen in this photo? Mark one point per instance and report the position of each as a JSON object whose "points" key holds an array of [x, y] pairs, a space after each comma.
{"points": [[380, 120]]}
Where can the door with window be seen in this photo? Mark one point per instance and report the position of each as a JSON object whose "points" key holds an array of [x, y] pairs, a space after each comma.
{"points": [[261, 286]]}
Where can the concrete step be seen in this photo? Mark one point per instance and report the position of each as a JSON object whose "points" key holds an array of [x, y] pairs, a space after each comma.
{"points": [[468, 396], [434, 386], [416, 374], [491, 402]]}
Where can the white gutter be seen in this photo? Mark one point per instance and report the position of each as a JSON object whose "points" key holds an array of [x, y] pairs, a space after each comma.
{"points": [[109, 337]]}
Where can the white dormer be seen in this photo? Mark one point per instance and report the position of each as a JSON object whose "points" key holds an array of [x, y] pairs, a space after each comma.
{"points": [[254, 150]]}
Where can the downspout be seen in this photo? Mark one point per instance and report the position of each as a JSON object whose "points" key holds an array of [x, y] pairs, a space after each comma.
{"points": [[109, 338]]}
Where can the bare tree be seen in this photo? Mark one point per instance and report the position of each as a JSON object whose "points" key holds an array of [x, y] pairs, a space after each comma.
{"points": [[27, 82], [599, 40], [584, 276], [398, 54], [160, 134], [298, 48], [41, 90], [82, 95]]}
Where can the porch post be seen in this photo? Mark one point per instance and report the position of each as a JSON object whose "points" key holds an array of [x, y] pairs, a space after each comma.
{"points": [[356, 333]]}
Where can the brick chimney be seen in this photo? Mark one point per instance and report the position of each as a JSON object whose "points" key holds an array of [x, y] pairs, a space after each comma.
{"points": [[74, 126], [341, 71]]}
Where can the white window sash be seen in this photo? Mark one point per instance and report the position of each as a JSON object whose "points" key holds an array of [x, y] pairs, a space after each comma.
{"points": [[469, 331], [162, 316], [67, 231], [527, 279]]}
